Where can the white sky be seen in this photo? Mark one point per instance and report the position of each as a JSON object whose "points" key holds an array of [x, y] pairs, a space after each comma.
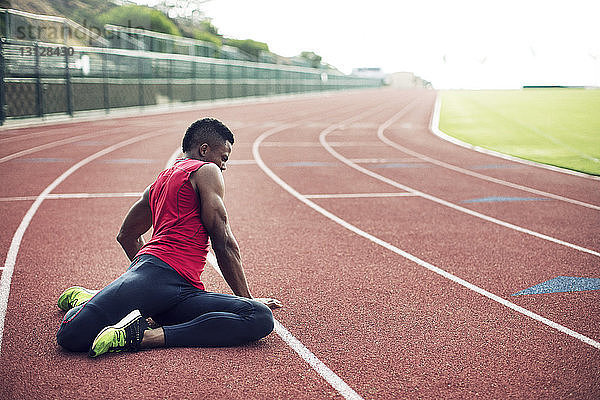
{"points": [[485, 43], [452, 43]]}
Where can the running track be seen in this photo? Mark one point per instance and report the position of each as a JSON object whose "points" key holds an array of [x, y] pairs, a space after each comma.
{"points": [[395, 274]]}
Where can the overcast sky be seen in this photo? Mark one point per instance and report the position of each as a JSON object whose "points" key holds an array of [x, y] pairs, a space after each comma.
{"points": [[452, 43]]}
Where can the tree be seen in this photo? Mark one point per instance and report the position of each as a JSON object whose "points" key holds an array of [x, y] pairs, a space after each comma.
{"points": [[140, 17], [249, 46], [312, 57], [208, 37], [207, 32], [207, 26]]}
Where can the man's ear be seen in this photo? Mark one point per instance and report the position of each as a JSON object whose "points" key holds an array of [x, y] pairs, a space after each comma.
{"points": [[203, 149]]}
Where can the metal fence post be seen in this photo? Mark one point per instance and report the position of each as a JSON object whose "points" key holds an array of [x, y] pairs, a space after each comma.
{"points": [[170, 82], [194, 73], [229, 83], [278, 84], [140, 82], [68, 76], [39, 90], [244, 81], [105, 93], [7, 23], [2, 84], [213, 89], [69, 85]]}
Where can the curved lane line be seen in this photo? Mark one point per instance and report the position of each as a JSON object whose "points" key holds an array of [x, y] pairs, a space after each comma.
{"points": [[327, 146], [11, 257], [71, 196], [433, 268], [66, 140], [24, 136], [47, 146], [443, 164], [323, 370], [13, 251]]}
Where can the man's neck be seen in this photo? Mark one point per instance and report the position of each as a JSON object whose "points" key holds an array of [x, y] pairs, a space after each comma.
{"points": [[193, 157]]}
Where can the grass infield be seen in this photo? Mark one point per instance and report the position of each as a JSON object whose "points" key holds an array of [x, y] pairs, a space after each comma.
{"points": [[559, 127]]}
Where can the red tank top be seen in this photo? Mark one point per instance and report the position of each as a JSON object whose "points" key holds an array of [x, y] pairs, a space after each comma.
{"points": [[179, 238]]}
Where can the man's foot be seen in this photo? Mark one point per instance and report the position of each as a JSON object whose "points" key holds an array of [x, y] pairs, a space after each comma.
{"points": [[75, 296], [126, 335]]}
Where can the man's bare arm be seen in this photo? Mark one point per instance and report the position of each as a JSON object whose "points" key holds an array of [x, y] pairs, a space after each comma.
{"points": [[137, 222], [209, 184]]}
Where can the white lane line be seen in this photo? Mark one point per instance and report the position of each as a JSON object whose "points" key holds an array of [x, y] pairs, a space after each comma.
{"points": [[334, 380], [241, 162], [430, 267], [435, 129], [18, 198], [91, 195], [356, 195], [53, 196], [23, 136], [386, 140], [323, 140], [330, 377], [13, 251], [313, 144], [307, 355], [384, 160], [47, 146]]}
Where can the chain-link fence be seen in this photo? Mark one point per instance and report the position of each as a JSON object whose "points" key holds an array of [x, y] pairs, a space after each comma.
{"points": [[39, 78]]}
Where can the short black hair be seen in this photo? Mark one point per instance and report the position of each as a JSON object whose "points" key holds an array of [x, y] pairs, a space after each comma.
{"points": [[206, 130]]}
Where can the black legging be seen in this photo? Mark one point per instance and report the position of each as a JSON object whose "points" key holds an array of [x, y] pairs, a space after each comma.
{"points": [[189, 316]]}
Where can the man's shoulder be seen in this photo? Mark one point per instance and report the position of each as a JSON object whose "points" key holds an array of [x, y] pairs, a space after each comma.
{"points": [[188, 164], [209, 169], [207, 174]]}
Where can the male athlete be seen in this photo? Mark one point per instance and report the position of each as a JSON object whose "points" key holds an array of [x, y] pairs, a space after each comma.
{"points": [[185, 207]]}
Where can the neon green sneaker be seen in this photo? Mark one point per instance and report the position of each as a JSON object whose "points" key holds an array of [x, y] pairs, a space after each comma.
{"points": [[75, 296], [126, 335]]}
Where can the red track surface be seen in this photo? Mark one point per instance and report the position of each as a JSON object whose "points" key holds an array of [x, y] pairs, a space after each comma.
{"points": [[385, 325]]}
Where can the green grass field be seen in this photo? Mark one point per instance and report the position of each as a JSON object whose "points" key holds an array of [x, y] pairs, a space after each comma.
{"points": [[552, 126]]}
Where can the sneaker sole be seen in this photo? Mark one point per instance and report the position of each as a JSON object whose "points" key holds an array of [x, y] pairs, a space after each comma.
{"points": [[132, 316]]}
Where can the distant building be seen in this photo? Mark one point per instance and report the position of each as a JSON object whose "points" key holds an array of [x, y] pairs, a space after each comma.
{"points": [[397, 79], [372, 72], [407, 80]]}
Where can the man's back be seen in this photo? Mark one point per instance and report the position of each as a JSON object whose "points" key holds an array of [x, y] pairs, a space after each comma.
{"points": [[179, 237]]}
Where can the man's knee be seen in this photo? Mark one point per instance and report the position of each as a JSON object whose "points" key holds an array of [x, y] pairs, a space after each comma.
{"points": [[72, 334], [263, 318], [69, 339]]}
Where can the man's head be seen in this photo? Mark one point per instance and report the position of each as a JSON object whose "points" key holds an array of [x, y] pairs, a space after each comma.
{"points": [[208, 140]]}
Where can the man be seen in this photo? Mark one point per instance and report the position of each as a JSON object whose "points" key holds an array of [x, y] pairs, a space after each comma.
{"points": [[185, 207]]}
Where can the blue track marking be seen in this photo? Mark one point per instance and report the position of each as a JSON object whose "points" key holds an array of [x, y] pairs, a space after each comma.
{"points": [[494, 199], [401, 165], [562, 284]]}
